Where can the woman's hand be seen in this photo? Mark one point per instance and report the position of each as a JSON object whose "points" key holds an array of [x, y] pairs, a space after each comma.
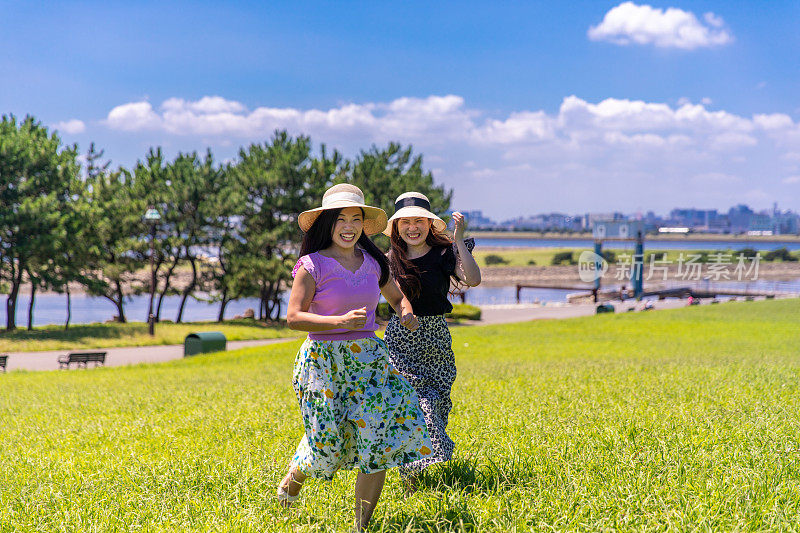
{"points": [[459, 226], [409, 321], [355, 319]]}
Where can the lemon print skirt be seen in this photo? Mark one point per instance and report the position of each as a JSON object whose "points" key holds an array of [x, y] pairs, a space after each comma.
{"points": [[358, 411]]}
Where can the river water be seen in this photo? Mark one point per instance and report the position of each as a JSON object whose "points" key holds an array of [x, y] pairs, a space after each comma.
{"points": [[51, 308]]}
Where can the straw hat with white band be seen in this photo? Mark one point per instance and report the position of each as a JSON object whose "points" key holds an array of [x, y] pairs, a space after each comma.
{"points": [[341, 196], [414, 204]]}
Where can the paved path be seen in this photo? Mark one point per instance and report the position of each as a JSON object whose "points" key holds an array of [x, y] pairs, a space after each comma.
{"points": [[504, 314], [491, 314], [132, 355]]}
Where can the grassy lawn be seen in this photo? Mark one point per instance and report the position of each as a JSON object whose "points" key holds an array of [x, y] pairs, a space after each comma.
{"points": [[80, 336], [544, 256], [672, 420]]}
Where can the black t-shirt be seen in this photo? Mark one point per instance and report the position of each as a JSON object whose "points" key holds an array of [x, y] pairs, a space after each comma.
{"points": [[435, 269]]}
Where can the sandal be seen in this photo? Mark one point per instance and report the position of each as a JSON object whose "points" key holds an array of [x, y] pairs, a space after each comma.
{"points": [[283, 495]]}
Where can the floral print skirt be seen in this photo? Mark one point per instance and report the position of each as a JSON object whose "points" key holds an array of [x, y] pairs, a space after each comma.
{"points": [[358, 411]]}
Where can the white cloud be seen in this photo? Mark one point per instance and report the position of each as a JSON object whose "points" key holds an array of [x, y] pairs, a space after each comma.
{"points": [[774, 121], [629, 23], [70, 127], [133, 116], [791, 180], [592, 149]]}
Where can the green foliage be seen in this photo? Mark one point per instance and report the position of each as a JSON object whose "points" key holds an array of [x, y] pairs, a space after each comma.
{"points": [[56, 228], [494, 259], [111, 245], [465, 311], [748, 253], [563, 257], [609, 256], [670, 420], [384, 311], [278, 181], [39, 187], [781, 254]]}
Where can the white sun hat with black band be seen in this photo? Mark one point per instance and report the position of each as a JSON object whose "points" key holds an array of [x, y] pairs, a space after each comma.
{"points": [[412, 205], [341, 196]]}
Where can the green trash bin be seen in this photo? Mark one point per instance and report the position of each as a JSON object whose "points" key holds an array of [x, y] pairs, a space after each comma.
{"points": [[204, 342], [604, 308]]}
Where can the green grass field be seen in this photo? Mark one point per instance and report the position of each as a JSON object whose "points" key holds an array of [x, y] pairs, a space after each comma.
{"points": [[88, 336], [670, 420]]}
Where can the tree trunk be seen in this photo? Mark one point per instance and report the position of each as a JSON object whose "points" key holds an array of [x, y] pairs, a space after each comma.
{"points": [[11, 302], [222, 305], [163, 293], [119, 302], [69, 307], [188, 290], [30, 304]]}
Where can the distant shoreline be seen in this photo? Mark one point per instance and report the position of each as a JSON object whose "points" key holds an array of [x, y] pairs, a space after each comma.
{"points": [[691, 237]]}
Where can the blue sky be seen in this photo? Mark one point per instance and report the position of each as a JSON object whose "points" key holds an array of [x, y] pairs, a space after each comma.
{"points": [[519, 107]]}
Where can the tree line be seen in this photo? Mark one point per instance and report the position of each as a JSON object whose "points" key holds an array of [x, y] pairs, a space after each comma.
{"points": [[68, 219]]}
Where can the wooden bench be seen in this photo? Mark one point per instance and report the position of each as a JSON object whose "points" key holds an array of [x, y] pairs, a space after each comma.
{"points": [[3, 361], [82, 358]]}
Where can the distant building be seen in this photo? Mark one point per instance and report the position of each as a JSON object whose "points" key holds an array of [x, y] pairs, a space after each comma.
{"points": [[785, 223], [761, 223], [476, 220], [544, 222], [739, 218], [696, 219]]}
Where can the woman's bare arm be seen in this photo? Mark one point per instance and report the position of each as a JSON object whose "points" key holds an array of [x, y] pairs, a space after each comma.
{"points": [[395, 297]]}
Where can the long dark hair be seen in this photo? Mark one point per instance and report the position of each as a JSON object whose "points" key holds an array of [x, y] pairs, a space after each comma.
{"points": [[404, 271], [320, 236]]}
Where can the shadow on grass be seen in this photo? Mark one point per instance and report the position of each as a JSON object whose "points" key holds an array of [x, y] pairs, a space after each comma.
{"points": [[468, 475], [76, 332], [115, 330], [440, 518], [448, 511]]}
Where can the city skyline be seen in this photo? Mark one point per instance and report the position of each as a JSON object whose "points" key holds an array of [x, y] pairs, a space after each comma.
{"points": [[591, 106], [737, 219]]}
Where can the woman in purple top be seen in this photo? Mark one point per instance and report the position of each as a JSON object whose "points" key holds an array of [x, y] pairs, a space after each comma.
{"points": [[358, 411]]}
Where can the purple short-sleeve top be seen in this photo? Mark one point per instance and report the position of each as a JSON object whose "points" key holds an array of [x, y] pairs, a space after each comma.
{"points": [[339, 291]]}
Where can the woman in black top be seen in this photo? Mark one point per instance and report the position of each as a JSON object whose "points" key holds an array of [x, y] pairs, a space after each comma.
{"points": [[424, 260]]}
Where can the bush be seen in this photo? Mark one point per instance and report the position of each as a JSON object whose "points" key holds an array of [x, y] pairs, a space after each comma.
{"points": [[749, 253], [532, 262], [494, 259], [609, 256], [460, 311], [563, 257], [781, 254], [465, 311], [384, 311]]}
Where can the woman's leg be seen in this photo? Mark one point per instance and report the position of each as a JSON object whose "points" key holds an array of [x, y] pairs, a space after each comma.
{"points": [[368, 490], [293, 482]]}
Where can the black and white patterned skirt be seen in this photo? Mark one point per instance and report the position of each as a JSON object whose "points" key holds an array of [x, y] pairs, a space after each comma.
{"points": [[425, 358]]}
